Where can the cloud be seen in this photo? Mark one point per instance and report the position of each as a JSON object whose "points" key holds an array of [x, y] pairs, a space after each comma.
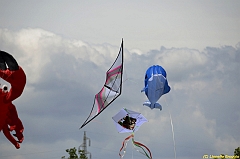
{"points": [[63, 75]]}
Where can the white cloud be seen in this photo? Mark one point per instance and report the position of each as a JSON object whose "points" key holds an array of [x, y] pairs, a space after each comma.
{"points": [[63, 75]]}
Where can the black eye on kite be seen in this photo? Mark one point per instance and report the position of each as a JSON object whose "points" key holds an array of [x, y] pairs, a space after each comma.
{"points": [[5, 88]]}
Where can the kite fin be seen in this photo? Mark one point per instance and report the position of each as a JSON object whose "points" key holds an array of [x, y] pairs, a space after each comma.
{"points": [[144, 89], [151, 105], [157, 105], [147, 103]]}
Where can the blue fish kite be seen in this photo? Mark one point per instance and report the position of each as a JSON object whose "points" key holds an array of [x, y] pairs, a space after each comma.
{"points": [[156, 85]]}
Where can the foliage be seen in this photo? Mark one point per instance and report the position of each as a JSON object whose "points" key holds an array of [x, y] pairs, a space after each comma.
{"points": [[73, 154], [237, 152], [82, 154]]}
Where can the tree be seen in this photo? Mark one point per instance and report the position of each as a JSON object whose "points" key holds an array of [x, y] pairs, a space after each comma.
{"points": [[237, 152], [82, 154], [73, 154]]}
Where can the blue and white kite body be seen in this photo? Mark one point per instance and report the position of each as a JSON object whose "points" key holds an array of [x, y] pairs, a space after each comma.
{"points": [[156, 85]]}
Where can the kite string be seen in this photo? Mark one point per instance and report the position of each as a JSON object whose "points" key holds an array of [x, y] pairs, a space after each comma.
{"points": [[132, 150], [174, 144]]}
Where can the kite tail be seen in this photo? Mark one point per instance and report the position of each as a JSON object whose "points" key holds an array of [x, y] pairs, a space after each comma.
{"points": [[124, 145], [140, 145], [137, 144]]}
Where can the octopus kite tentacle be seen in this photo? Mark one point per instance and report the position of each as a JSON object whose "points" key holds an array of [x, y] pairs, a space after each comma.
{"points": [[11, 72]]}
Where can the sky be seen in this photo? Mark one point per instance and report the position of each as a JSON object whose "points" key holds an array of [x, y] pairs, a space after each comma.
{"points": [[65, 48]]}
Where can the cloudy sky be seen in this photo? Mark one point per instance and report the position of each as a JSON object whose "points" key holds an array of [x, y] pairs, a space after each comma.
{"points": [[65, 48]]}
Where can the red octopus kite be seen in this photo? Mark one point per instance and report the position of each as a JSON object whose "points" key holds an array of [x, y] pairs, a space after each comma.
{"points": [[11, 72]]}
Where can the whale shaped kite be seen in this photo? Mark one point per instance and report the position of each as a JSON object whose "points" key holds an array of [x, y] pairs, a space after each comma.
{"points": [[156, 85]]}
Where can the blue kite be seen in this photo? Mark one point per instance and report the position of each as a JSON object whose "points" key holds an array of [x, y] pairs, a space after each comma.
{"points": [[156, 85]]}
